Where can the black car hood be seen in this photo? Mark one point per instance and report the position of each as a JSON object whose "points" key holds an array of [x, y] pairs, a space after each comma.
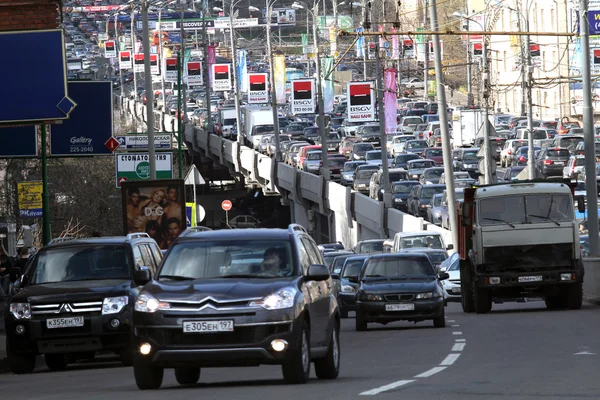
{"points": [[219, 289], [402, 196], [400, 286], [73, 291]]}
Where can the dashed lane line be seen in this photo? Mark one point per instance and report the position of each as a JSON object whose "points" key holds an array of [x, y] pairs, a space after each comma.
{"points": [[457, 333], [458, 346], [432, 371], [385, 388]]}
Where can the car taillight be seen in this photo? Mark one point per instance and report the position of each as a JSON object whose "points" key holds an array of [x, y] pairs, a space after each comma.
{"points": [[509, 151], [522, 159], [438, 139], [548, 162]]}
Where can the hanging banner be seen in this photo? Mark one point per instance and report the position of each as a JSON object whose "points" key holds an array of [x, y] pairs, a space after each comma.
{"points": [[332, 41], [303, 99], [361, 101], [360, 44], [211, 59], [110, 50], [194, 73], [389, 101], [305, 49], [125, 60], [441, 50], [328, 89], [221, 77], [257, 91], [171, 70], [242, 72], [279, 78], [419, 53], [138, 62], [395, 52], [154, 69]]}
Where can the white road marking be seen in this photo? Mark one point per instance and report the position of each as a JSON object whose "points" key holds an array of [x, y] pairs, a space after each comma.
{"points": [[385, 388], [457, 333], [458, 346], [584, 353], [455, 326], [451, 320], [460, 340], [432, 371], [452, 357]]}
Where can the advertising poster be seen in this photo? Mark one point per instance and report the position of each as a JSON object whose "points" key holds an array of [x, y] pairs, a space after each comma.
{"points": [[221, 77], [154, 70], [154, 207], [138, 62], [194, 73], [30, 199], [125, 60], [279, 77], [110, 50], [257, 89], [303, 99], [361, 101], [171, 69]]}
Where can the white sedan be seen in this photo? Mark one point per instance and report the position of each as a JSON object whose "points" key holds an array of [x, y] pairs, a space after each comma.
{"points": [[413, 83], [451, 285]]}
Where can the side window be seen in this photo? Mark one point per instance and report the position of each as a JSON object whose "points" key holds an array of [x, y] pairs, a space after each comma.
{"points": [[313, 252], [304, 257], [137, 257], [147, 258], [156, 252]]}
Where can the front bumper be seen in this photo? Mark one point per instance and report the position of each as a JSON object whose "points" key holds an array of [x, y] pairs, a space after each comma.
{"points": [[530, 280], [347, 301], [374, 311], [552, 171], [452, 290]]}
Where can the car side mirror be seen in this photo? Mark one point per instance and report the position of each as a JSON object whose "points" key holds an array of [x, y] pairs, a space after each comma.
{"points": [[353, 279], [335, 276], [443, 276], [317, 272], [466, 214], [581, 205], [450, 247], [142, 275]]}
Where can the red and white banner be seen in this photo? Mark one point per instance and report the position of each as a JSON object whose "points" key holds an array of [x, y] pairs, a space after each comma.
{"points": [[98, 8], [194, 73], [258, 92], [171, 69], [138, 62], [154, 69], [303, 99], [361, 101], [389, 101], [221, 77], [125, 61], [110, 51]]}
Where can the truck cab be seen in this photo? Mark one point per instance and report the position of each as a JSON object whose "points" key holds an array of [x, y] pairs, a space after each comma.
{"points": [[520, 240]]}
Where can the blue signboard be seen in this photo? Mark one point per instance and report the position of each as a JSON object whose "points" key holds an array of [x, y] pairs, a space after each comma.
{"points": [[20, 141], [188, 214], [594, 22], [91, 123], [34, 74]]}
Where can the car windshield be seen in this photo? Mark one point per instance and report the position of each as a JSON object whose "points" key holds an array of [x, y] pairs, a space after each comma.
{"points": [[229, 121], [416, 144], [433, 173], [421, 164], [371, 247], [338, 263], [336, 162], [353, 267], [78, 263], [398, 176], [363, 147], [515, 171], [314, 156], [263, 129], [470, 157], [433, 153], [413, 120], [350, 166], [370, 129], [228, 258], [558, 153], [393, 267], [365, 173], [428, 192], [373, 155], [311, 131], [403, 187], [528, 209], [431, 241]]}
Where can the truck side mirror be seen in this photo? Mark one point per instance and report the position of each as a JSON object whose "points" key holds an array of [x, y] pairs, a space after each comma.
{"points": [[581, 205], [466, 214]]}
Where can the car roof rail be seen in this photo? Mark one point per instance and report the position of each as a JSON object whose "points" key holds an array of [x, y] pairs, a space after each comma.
{"points": [[137, 235], [296, 227], [61, 239], [194, 229]]}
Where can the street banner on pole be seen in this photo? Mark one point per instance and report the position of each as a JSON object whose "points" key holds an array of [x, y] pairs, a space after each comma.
{"points": [[303, 99], [361, 101], [221, 77], [110, 50], [125, 60], [171, 69], [257, 91]]}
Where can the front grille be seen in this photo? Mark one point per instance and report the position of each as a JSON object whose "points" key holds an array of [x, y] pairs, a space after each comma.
{"points": [[519, 259], [63, 332], [78, 308], [242, 335], [399, 297]]}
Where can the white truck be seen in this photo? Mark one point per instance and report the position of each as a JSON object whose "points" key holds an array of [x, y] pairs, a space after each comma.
{"points": [[258, 120], [468, 125], [228, 122]]}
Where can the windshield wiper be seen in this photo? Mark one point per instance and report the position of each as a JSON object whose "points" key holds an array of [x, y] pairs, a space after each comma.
{"points": [[177, 277], [543, 217], [499, 220], [248, 276]]}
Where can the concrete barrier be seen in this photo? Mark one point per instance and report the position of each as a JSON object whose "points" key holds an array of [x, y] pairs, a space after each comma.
{"points": [[591, 280]]}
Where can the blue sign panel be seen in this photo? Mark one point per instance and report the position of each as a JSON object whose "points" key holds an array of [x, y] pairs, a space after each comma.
{"points": [[34, 74], [91, 123], [20, 141], [594, 22], [188, 214]]}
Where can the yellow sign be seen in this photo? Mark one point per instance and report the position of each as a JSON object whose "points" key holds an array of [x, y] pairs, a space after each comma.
{"points": [[30, 199]]}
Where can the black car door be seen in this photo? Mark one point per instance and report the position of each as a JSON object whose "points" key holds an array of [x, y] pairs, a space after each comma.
{"points": [[321, 302]]}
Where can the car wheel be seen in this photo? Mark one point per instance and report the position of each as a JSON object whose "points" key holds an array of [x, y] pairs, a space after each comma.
{"points": [[146, 376], [575, 296], [440, 322], [20, 363], [56, 362], [360, 322], [297, 368], [187, 376], [329, 366]]}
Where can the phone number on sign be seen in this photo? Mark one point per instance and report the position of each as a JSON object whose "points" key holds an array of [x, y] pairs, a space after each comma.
{"points": [[304, 109], [81, 149]]}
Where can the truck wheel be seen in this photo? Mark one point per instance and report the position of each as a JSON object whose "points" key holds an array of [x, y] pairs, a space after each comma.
{"points": [[343, 312], [440, 322], [56, 362], [554, 302], [466, 292], [20, 363], [147, 377], [575, 296], [360, 322], [482, 300]]}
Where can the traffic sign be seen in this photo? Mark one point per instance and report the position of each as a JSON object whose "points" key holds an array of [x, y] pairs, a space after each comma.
{"points": [[140, 142], [112, 143], [226, 205], [136, 166]]}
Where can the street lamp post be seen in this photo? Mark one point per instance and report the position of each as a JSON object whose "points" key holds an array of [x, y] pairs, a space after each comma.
{"points": [[133, 41], [272, 83], [149, 91]]}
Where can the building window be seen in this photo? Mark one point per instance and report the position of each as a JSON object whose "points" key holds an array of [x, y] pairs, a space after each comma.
{"points": [[552, 19], [542, 26], [504, 60]]}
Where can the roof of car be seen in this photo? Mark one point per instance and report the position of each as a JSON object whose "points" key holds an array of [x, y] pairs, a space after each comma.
{"points": [[241, 234], [422, 250], [398, 255], [417, 233], [418, 160], [522, 188], [68, 241]]}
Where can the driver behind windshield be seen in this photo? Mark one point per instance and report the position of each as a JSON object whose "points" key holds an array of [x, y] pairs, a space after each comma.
{"points": [[273, 263]]}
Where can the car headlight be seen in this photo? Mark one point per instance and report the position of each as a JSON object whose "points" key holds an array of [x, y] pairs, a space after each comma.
{"points": [[414, 176], [149, 304], [114, 305], [20, 310], [283, 298], [397, 200], [429, 183], [429, 295], [371, 297], [348, 289]]}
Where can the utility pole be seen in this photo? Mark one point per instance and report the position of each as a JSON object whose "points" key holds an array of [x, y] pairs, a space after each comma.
{"points": [[523, 76], [207, 82], [469, 61], [442, 105], [588, 131], [323, 133], [182, 90], [387, 198], [133, 41], [486, 119], [365, 44], [119, 53], [529, 72], [426, 69], [149, 91], [272, 83], [236, 88], [163, 62]]}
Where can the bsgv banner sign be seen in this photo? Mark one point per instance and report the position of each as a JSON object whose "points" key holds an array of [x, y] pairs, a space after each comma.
{"points": [[303, 100], [221, 77], [257, 91], [138, 62], [171, 69], [194, 73], [361, 101], [109, 49], [154, 70], [125, 60]]}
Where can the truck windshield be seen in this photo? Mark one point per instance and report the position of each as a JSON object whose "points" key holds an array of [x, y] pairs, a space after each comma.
{"points": [[528, 209]]}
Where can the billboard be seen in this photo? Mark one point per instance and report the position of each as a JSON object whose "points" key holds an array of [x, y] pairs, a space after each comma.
{"points": [[155, 207], [125, 61], [303, 99], [194, 73], [18, 141], [361, 101], [221, 77], [138, 62], [171, 69], [258, 89], [154, 70], [110, 50]]}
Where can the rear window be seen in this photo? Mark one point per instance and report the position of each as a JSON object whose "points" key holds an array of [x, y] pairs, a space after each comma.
{"points": [[434, 153], [421, 164], [398, 176], [558, 153], [403, 187], [428, 192]]}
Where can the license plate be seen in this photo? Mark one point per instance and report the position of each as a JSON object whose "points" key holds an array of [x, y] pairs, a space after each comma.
{"points": [[71, 322], [456, 290], [208, 326], [399, 307], [559, 163], [536, 278]]}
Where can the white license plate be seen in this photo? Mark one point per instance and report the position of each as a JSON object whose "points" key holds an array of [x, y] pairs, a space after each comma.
{"points": [[399, 307], [64, 322], [456, 290], [208, 326], [559, 163], [536, 278]]}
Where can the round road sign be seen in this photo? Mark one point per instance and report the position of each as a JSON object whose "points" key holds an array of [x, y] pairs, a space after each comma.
{"points": [[226, 205]]}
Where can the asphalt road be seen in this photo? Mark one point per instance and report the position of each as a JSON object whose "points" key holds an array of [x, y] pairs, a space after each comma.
{"points": [[519, 351]]}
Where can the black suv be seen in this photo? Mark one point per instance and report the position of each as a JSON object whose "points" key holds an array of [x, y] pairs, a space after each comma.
{"points": [[76, 297], [233, 298]]}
